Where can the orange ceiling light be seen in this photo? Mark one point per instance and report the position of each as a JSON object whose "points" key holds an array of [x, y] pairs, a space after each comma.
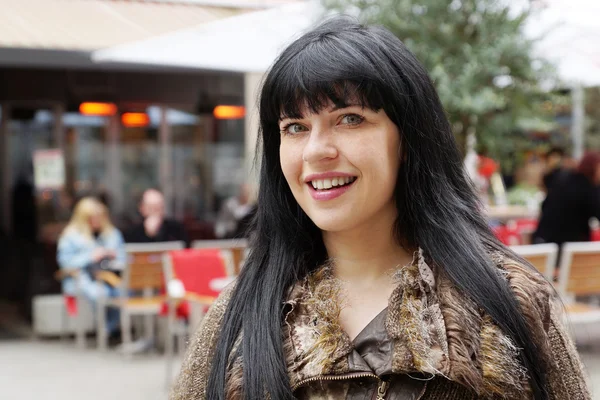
{"points": [[229, 112], [98, 109], [135, 119]]}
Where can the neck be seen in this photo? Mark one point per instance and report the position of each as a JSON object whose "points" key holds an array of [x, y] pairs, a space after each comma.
{"points": [[367, 253]]}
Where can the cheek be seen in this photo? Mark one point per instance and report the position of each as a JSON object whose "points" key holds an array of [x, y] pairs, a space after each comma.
{"points": [[291, 164]]}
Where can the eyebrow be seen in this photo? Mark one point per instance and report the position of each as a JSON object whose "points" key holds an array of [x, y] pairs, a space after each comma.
{"points": [[332, 109]]}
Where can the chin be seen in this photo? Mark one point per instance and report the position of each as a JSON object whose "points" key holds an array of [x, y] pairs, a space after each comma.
{"points": [[332, 223]]}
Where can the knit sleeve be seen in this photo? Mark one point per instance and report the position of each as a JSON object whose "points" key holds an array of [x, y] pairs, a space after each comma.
{"points": [[566, 375], [193, 377]]}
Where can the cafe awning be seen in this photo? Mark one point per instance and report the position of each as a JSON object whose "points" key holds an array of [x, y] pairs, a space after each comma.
{"points": [[243, 43]]}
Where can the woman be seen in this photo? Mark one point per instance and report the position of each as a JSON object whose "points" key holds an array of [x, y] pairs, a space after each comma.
{"points": [[88, 240], [570, 204], [373, 273]]}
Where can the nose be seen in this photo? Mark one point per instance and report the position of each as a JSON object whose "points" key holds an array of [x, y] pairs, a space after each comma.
{"points": [[320, 146]]}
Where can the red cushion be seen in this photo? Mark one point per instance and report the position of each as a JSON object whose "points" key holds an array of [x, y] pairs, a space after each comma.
{"points": [[196, 268]]}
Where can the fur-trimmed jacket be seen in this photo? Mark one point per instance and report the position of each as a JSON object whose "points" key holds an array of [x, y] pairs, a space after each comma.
{"points": [[431, 343]]}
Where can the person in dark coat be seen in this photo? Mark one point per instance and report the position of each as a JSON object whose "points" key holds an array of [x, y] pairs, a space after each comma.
{"points": [[572, 201], [155, 227], [555, 168]]}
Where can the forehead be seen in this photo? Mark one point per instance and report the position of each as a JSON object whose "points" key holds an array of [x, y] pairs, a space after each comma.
{"points": [[152, 198]]}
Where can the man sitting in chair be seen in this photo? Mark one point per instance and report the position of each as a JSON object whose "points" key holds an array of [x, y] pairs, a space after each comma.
{"points": [[155, 227]]}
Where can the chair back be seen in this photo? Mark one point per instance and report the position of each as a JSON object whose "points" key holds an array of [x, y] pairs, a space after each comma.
{"points": [[235, 251], [579, 273], [541, 256], [144, 271], [196, 268]]}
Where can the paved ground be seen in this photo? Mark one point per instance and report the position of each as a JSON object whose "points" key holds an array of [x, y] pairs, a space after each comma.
{"points": [[54, 370], [51, 370]]}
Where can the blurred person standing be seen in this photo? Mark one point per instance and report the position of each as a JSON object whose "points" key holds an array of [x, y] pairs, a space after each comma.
{"points": [[570, 204], [87, 243], [235, 215], [155, 227], [554, 167]]}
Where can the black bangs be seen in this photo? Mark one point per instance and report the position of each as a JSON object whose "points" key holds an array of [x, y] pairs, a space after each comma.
{"points": [[322, 72]]}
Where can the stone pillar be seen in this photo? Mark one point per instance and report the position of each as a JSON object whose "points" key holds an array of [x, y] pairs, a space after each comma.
{"points": [[114, 181], [252, 84], [578, 121], [165, 172], [58, 132]]}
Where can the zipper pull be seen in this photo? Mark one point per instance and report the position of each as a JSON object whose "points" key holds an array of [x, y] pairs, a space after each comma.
{"points": [[382, 390]]}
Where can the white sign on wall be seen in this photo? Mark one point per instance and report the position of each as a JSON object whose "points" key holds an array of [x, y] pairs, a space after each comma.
{"points": [[49, 169]]}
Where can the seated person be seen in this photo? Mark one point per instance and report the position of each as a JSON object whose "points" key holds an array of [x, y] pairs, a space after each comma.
{"points": [[235, 215], [90, 242], [155, 227]]}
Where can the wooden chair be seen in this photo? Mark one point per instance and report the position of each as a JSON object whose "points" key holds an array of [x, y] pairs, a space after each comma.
{"points": [[140, 290], [541, 256], [193, 270], [234, 250], [579, 276]]}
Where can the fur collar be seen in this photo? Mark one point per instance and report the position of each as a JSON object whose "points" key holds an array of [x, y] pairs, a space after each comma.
{"points": [[436, 330]]}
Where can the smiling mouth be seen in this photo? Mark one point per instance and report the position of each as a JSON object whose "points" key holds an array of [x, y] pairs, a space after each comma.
{"points": [[332, 183]]}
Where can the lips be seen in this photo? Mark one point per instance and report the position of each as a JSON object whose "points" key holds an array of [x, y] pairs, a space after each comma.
{"points": [[332, 192]]}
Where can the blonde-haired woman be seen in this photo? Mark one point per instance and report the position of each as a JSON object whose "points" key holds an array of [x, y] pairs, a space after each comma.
{"points": [[89, 239]]}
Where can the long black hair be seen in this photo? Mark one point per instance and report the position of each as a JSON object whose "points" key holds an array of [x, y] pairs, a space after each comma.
{"points": [[342, 61]]}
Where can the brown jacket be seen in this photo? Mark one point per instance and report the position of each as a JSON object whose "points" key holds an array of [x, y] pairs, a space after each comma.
{"points": [[430, 343]]}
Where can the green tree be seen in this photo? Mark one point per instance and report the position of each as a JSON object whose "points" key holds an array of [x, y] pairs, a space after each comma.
{"points": [[478, 58]]}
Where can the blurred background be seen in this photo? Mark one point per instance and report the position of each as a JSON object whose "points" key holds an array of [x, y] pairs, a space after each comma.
{"points": [[110, 98]]}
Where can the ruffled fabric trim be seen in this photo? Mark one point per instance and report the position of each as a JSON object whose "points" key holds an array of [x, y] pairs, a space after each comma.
{"points": [[435, 328]]}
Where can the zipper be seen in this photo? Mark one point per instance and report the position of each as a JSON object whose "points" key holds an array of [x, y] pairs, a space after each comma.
{"points": [[382, 390], [422, 391], [382, 385], [355, 375]]}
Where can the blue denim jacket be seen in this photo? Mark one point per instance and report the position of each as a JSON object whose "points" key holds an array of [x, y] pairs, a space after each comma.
{"points": [[75, 252]]}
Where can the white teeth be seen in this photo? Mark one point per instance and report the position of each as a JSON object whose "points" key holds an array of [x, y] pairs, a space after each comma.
{"points": [[321, 184]]}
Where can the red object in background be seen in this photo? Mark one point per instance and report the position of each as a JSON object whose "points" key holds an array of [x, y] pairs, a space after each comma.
{"points": [[509, 237], [182, 310], [487, 167], [512, 233], [196, 268], [525, 225], [71, 305], [595, 235]]}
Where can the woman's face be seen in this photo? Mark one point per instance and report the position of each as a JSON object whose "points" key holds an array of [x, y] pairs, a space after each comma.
{"points": [[341, 165], [95, 222]]}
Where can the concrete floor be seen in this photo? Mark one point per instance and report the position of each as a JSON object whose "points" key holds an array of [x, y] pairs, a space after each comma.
{"points": [[54, 370]]}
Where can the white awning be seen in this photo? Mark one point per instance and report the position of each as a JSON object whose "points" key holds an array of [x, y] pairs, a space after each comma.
{"points": [[569, 34], [88, 25], [242, 43], [568, 30]]}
